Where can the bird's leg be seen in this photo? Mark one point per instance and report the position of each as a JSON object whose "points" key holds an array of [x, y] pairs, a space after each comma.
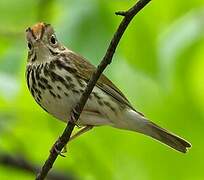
{"points": [[79, 133]]}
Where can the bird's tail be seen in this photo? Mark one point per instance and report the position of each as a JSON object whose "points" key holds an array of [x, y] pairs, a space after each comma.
{"points": [[139, 123]]}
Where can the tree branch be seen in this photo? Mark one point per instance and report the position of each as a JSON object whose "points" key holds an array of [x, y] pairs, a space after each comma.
{"points": [[64, 138], [21, 163]]}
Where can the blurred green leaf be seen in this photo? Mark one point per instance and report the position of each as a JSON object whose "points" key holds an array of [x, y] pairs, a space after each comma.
{"points": [[178, 37], [9, 86]]}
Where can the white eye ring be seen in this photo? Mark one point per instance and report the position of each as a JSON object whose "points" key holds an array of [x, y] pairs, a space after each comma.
{"points": [[53, 39]]}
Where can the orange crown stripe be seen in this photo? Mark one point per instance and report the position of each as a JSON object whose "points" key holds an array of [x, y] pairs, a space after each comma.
{"points": [[37, 28]]}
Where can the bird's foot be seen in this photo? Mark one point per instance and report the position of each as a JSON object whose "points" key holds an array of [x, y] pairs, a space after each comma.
{"points": [[73, 117], [54, 149]]}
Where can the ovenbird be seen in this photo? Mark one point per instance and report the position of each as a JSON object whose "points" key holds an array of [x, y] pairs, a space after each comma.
{"points": [[57, 76]]}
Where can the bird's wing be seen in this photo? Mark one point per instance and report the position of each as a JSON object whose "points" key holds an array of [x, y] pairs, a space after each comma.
{"points": [[85, 70]]}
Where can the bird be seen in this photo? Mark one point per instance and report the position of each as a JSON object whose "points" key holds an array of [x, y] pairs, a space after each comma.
{"points": [[57, 76]]}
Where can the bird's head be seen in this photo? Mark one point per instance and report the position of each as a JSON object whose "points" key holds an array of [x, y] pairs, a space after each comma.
{"points": [[42, 43]]}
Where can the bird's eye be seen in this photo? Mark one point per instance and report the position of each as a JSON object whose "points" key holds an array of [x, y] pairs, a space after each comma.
{"points": [[53, 39], [29, 45]]}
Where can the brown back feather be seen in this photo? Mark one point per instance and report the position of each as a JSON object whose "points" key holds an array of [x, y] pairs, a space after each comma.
{"points": [[85, 70]]}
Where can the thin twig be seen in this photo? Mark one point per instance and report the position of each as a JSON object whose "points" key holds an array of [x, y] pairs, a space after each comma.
{"points": [[19, 162], [64, 138], [121, 13]]}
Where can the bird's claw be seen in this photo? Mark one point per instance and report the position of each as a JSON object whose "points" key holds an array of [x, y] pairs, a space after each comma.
{"points": [[55, 150], [64, 150], [73, 118]]}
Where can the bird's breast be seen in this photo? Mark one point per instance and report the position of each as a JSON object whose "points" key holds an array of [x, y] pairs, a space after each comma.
{"points": [[57, 90]]}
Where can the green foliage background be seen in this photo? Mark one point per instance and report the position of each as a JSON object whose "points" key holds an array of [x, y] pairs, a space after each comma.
{"points": [[158, 65]]}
